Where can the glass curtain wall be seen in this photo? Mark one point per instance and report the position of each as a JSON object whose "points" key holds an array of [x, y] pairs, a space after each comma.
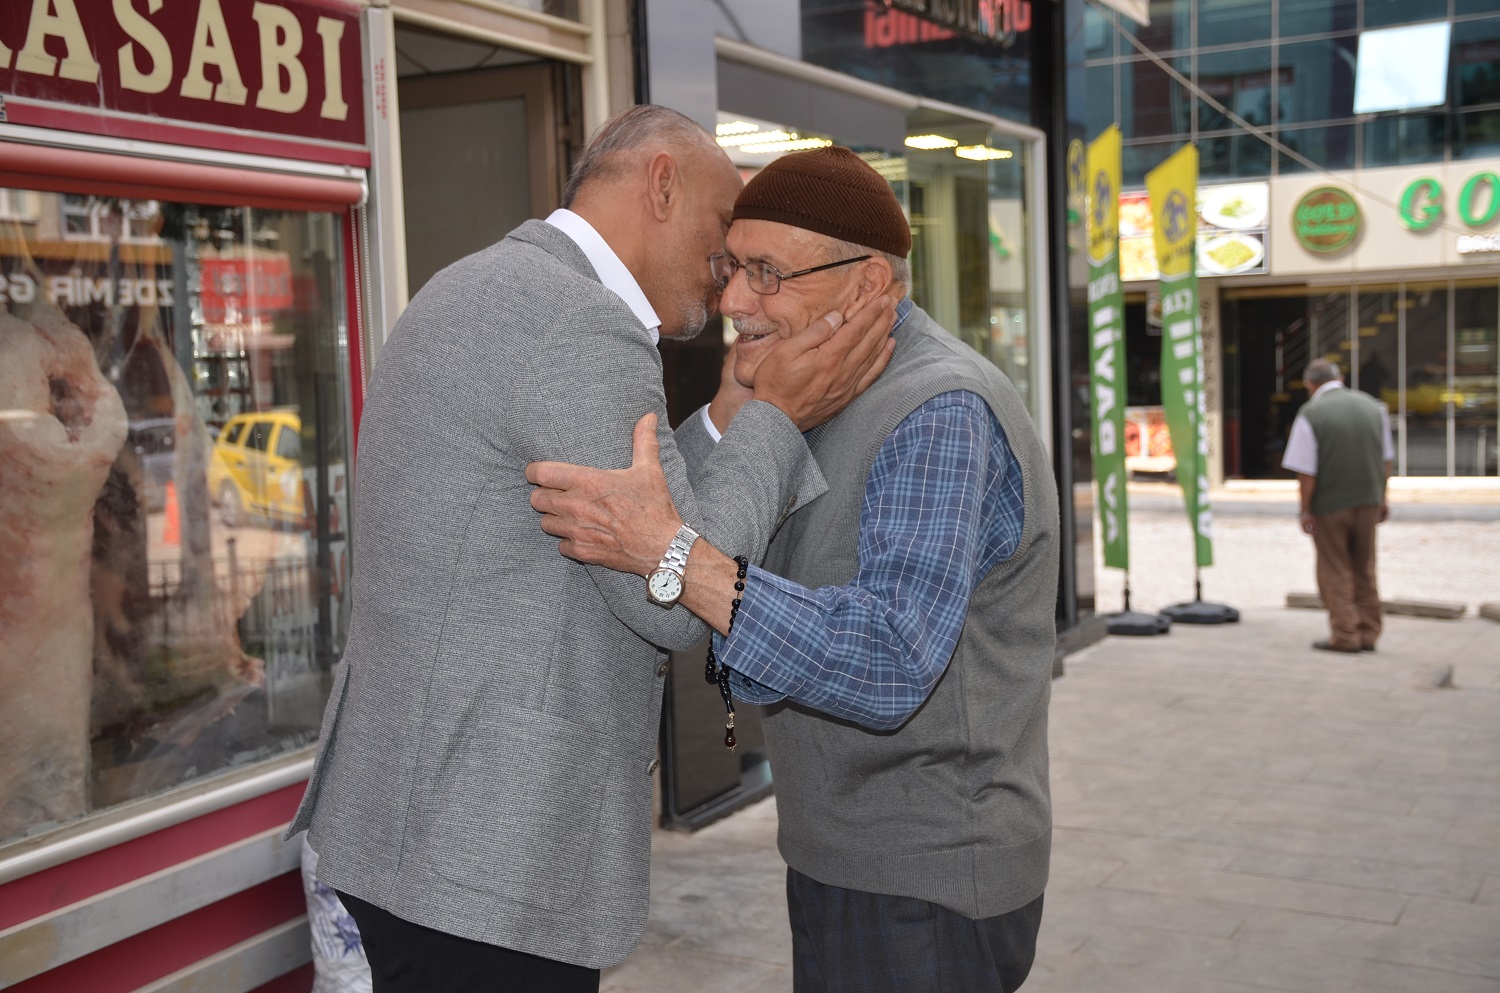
{"points": [[1289, 66], [1426, 349], [175, 439]]}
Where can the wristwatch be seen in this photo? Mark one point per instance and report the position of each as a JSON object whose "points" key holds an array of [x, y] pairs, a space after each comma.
{"points": [[664, 585]]}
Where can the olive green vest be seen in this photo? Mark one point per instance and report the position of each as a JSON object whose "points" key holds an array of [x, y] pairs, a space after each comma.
{"points": [[1351, 450]]}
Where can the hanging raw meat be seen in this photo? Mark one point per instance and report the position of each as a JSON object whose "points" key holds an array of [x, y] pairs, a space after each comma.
{"points": [[61, 426]]}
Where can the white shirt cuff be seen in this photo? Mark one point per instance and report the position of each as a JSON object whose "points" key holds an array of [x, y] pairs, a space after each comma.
{"points": [[708, 425]]}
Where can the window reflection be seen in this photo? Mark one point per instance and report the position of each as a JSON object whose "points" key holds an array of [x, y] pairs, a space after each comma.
{"points": [[172, 424]]}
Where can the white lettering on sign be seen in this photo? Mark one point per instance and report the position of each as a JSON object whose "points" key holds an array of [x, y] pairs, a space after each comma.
{"points": [[17, 289], [57, 19], [1111, 505], [146, 63], [280, 48], [151, 41], [211, 47], [1474, 244], [80, 291], [334, 108]]}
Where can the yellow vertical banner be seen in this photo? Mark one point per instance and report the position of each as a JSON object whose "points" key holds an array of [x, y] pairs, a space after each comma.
{"points": [[1107, 342], [1173, 189]]}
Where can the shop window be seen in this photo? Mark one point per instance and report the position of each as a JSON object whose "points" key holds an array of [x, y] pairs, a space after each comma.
{"points": [[1299, 17], [1240, 81], [1233, 156], [1171, 27], [90, 218], [1327, 147], [1152, 103], [18, 205], [1476, 63], [1100, 90], [1141, 157], [1377, 362], [1317, 81], [1462, 7], [1232, 22], [1477, 133], [1381, 13], [1427, 386], [1098, 32], [557, 8], [175, 373], [1476, 373], [1402, 138]]}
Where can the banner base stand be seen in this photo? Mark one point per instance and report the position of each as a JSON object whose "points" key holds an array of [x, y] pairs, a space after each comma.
{"points": [[1135, 623], [1199, 612]]}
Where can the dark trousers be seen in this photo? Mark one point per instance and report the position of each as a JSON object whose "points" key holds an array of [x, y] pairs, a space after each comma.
{"points": [[849, 941], [409, 958], [1345, 541]]}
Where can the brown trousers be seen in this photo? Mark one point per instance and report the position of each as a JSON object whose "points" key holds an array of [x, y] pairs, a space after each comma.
{"points": [[1345, 542]]}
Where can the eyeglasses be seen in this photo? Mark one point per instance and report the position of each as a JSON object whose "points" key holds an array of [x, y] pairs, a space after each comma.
{"points": [[763, 278]]}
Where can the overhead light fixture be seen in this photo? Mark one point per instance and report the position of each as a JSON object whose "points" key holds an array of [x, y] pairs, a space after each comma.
{"points": [[929, 141], [982, 153], [744, 138], [792, 144], [891, 170], [735, 127]]}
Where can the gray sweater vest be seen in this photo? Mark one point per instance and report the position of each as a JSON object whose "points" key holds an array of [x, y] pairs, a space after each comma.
{"points": [[953, 807], [1351, 450]]}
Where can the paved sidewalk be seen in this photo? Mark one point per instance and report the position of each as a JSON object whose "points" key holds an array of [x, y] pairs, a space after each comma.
{"points": [[1235, 813]]}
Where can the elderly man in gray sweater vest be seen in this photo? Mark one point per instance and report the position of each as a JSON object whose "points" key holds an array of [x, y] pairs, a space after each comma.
{"points": [[1341, 450], [901, 630], [482, 792]]}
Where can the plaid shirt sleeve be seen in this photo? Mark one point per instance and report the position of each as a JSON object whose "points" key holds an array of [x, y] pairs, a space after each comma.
{"points": [[942, 506]]}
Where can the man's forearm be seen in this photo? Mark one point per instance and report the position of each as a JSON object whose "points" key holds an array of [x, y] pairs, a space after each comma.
{"points": [[708, 585], [1305, 486]]}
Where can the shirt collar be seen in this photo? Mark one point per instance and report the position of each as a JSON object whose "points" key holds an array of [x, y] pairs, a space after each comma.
{"points": [[1332, 384], [612, 272], [903, 310]]}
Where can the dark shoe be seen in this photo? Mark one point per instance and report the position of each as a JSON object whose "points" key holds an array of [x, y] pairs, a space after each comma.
{"points": [[1328, 646], [1367, 648]]}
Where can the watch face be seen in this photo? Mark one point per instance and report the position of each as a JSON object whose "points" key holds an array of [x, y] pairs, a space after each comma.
{"points": [[664, 585]]}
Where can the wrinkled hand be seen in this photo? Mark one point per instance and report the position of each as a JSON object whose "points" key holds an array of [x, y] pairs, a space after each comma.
{"points": [[731, 396], [818, 373], [1309, 522], [622, 519]]}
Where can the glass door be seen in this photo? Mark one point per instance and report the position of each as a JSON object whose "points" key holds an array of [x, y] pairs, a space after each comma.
{"points": [[1476, 370], [971, 190]]}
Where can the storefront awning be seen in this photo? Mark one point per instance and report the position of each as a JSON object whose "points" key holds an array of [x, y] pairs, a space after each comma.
{"points": [[1136, 10], [75, 170]]}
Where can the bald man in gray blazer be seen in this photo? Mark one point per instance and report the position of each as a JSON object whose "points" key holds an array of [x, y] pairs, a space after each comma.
{"points": [[482, 791]]}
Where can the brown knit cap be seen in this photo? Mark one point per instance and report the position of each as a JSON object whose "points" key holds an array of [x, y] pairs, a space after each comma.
{"points": [[832, 191]]}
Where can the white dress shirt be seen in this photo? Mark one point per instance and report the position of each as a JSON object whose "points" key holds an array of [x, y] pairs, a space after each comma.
{"points": [[612, 272]]}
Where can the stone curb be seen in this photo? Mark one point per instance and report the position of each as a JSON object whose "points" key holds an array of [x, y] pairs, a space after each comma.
{"points": [[1438, 609]]}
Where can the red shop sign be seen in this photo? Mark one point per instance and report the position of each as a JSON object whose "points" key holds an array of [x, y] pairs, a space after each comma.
{"points": [[241, 289], [240, 75]]}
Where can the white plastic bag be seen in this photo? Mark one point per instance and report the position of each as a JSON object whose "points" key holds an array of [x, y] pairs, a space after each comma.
{"points": [[337, 951]]}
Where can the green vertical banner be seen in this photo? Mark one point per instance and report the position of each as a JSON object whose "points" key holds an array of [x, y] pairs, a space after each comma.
{"points": [[1173, 188], [1107, 343]]}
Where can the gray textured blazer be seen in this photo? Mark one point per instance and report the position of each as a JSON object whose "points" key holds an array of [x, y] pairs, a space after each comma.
{"points": [[487, 751]]}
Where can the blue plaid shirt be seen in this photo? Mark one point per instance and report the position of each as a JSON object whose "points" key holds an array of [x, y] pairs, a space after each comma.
{"points": [[942, 506]]}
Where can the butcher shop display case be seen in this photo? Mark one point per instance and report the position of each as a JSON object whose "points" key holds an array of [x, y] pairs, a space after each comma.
{"points": [[175, 554]]}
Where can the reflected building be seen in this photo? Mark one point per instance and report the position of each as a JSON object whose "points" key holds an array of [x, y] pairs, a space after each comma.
{"points": [[1407, 297]]}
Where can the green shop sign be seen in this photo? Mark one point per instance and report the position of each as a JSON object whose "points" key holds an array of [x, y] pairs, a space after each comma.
{"points": [[1478, 202], [1326, 220]]}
